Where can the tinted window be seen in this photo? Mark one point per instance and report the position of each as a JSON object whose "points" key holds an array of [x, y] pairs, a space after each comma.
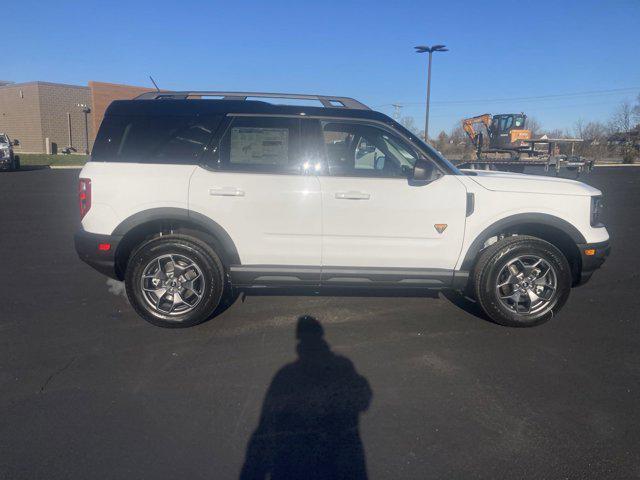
{"points": [[267, 145], [355, 149], [506, 123], [157, 139]]}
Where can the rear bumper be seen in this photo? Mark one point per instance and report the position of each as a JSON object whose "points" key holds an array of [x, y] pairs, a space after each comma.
{"points": [[88, 248], [590, 263]]}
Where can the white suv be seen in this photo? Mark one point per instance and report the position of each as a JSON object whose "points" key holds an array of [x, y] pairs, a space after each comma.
{"points": [[190, 200]]}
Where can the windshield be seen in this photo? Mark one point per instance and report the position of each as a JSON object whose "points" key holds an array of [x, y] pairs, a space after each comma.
{"points": [[428, 149], [4, 138]]}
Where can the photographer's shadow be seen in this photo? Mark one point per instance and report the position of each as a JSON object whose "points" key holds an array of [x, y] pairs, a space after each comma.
{"points": [[309, 426]]}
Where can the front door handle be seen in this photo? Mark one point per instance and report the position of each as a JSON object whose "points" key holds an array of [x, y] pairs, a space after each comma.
{"points": [[352, 196], [226, 192]]}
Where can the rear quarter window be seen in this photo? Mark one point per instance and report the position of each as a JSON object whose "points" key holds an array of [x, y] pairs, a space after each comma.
{"points": [[154, 139]]}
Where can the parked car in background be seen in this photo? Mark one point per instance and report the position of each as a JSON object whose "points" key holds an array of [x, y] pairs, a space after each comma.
{"points": [[8, 160]]}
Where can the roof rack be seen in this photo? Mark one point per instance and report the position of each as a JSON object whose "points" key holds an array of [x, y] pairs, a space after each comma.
{"points": [[326, 101]]}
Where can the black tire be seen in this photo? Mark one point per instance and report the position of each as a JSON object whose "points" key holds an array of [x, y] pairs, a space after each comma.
{"points": [[186, 247], [490, 265]]}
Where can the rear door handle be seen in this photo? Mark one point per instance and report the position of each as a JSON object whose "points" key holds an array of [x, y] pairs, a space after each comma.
{"points": [[226, 192], [352, 196]]}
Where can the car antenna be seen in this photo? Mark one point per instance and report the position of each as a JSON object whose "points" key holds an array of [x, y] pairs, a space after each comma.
{"points": [[154, 83]]}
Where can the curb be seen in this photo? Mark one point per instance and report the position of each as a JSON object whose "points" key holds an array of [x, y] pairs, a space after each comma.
{"points": [[65, 167], [617, 165]]}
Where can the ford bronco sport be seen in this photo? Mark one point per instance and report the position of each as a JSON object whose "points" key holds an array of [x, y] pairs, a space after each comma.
{"points": [[192, 196]]}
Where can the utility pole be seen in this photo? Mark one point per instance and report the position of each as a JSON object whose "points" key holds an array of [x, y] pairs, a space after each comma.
{"points": [[396, 111], [429, 50]]}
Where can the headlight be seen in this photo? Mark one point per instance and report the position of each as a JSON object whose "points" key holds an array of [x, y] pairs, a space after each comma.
{"points": [[597, 205]]}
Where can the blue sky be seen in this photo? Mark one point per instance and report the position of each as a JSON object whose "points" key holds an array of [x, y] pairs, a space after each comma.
{"points": [[499, 50]]}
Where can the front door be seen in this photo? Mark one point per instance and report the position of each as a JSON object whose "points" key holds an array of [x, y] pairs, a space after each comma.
{"points": [[375, 218]]}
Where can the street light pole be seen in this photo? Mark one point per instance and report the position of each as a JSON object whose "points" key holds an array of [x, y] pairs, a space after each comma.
{"points": [[429, 50], [86, 110], [426, 117]]}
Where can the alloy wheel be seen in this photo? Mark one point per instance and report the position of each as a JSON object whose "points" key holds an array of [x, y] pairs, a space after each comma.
{"points": [[527, 284], [172, 284]]}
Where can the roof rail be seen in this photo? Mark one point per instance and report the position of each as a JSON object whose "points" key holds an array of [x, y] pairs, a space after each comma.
{"points": [[326, 101]]}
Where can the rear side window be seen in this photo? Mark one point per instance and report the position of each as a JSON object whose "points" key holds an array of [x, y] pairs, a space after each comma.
{"points": [[153, 139]]}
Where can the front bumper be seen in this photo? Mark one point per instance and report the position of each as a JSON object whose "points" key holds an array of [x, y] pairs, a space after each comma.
{"points": [[593, 256], [91, 250], [6, 162]]}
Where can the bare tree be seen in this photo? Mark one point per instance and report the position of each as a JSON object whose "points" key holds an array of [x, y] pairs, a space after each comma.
{"points": [[622, 118], [636, 110], [622, 123], [594, 135], [442, 143], [555, 133], [410, 124], [458, 136], [535, 126], [458, 144]]}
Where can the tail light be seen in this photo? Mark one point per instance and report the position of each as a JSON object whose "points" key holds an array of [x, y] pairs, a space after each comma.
{"points": [[84, 196]]}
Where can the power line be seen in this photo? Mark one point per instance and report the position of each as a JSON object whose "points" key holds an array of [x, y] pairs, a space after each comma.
{"points": [[537, 97], [553, 107]]}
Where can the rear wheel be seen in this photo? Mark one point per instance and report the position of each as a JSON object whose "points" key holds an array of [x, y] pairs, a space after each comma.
{"points": [[522, 281], [174, 281]]}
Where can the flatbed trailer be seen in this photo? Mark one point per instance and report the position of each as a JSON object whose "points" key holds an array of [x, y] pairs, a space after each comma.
{"points": [[549, 159]]}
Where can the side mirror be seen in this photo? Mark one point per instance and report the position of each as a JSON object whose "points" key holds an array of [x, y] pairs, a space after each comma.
{"points": [[16, 142], [424, 172]]}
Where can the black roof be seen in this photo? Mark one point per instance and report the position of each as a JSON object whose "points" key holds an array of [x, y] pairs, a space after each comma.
{"points": [[221, 107], [195, 106]]}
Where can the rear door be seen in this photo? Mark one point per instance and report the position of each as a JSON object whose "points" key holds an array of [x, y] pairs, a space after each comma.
{"points": [[375, 220], [143, 162], [257, 187]]}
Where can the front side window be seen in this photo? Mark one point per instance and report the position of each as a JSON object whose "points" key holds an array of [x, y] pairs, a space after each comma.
{"points": [[356, 149], [153, 139], [261, 144], [506, 123]]}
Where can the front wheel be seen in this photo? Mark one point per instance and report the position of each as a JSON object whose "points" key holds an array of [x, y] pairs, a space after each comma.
{"points": [[522, 281], [174, 281]]}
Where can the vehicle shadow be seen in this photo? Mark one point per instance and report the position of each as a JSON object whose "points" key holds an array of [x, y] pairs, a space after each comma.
{"points": [[465, 303], [309, 425]]}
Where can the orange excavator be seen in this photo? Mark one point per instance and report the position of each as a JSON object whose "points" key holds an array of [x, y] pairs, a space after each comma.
{"points": [[508, 139], [506, 133]]}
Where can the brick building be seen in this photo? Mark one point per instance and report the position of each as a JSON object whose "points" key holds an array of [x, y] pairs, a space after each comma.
{"points": [[34, 111], [40, 114], [102, 94]]}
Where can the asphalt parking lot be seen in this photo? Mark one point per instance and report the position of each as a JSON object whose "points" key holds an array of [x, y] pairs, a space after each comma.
{"points": [[429, 390]]}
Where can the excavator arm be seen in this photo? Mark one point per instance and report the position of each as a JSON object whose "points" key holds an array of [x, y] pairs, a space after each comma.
{"points": [[468, 125]]}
